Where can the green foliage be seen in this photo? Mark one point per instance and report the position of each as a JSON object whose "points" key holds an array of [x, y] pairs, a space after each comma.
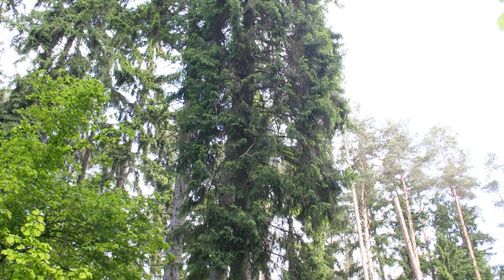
{"points": [[262, 103], [27, 257], [127, 46], [451, 260], [73, 230], [500, 22]]}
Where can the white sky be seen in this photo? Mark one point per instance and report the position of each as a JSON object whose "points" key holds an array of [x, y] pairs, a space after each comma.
{"points": [[430, 62]]}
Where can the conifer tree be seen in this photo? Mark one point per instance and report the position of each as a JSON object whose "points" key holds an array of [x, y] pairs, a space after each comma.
{"points": [[261, 105], [451, 260], [456, 179]]}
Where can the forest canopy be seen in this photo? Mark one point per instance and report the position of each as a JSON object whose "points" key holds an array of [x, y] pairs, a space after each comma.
{"points": [[203, 139]]}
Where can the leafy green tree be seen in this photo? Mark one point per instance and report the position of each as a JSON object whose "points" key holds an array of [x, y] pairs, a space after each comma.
{"points": [[120, 44], [26, 257], [500, 21], [127, 46], [72, 224]]}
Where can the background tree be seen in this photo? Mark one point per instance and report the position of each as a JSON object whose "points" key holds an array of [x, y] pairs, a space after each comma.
{"points": [[452, 162], [493, 169], [450, 258]]}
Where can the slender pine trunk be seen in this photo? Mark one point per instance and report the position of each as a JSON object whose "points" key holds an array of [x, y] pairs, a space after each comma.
{"points": [[414, 263], [411, 227], [464, 232], [358, 225], [358, 222], [366, 229]]}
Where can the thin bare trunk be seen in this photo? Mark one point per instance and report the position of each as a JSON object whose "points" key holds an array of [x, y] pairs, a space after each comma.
{"points": [[428, 256], [465, 233], [358, 225], [366, 229], [414, 263], [409, 219], [172, 270]]}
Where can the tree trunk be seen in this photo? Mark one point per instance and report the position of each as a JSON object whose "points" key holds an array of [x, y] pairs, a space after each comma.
{"points": [[409, 219], [215, 275], [366, 228], [84, 165], [465, 234], [358, 225], [428, 256], [241, 269], [122, 175], [290, 252], [414, 263], [172, 270]]}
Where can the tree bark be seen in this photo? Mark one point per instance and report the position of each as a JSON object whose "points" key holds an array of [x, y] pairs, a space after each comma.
{"points": [[84, 165], [464, 232], [172, 270], [215, 275], [409, 219], [366, 229], [241, 269], [358, 225], [414, 263]]}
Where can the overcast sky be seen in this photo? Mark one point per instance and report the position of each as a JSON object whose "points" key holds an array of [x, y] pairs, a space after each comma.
{"points": [[430, 62]]}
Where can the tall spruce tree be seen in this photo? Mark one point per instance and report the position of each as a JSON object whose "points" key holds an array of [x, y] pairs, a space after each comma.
{"points": [[261, 104]]}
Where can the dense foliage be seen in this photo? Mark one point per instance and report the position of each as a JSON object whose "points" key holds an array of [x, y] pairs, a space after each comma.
{"points": [[196, 139], [52, 225]]}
